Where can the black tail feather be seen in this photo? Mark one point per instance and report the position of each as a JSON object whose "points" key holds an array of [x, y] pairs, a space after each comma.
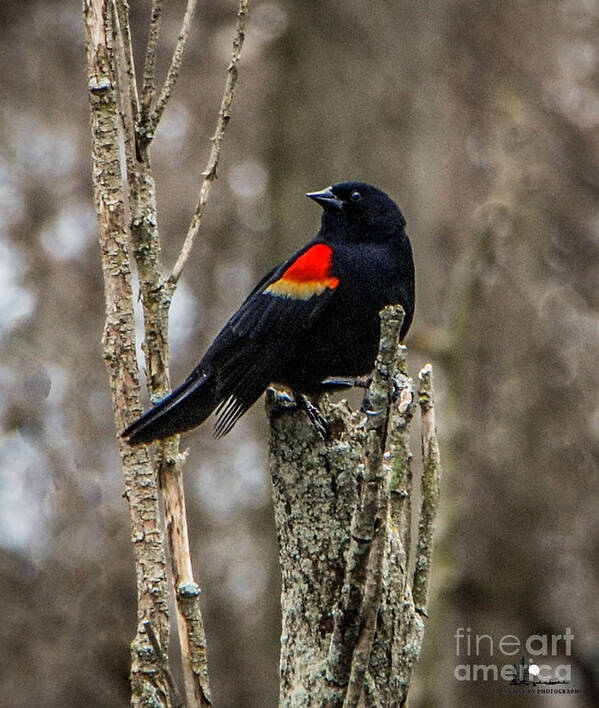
{"points": [[242, 391], [228, 413], [184, 409]]}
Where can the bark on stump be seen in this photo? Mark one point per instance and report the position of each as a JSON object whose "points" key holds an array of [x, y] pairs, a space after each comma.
{"points": [[351, 632]]}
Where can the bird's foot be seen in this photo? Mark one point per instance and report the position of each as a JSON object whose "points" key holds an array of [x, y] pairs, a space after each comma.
{"points": [[343, 382], [280, 400], [314, 415]]}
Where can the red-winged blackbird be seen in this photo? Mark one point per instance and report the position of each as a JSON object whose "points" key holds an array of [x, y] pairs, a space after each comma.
{"points": [[314, 317]]}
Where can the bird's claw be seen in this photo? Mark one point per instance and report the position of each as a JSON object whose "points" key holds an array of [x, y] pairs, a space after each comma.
{"points": [[314, 415], [365, 406]]}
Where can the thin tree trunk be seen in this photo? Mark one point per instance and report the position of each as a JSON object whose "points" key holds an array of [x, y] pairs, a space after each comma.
{"points": [[352, 631], [121, 120], [150, 680]]}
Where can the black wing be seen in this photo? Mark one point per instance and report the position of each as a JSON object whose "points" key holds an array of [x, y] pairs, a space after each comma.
{"points": [[246, 353]]}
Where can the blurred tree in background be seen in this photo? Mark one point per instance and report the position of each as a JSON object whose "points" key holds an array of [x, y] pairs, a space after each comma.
{"points": [[482, 120]]}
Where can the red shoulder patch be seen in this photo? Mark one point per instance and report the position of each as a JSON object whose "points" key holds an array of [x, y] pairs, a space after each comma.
{"points": [[309, 275]]}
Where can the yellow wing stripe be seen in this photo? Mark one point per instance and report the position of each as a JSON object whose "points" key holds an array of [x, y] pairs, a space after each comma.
{"points": [[300, 290]]}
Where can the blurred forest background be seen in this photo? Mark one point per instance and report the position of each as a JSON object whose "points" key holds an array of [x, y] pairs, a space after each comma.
{"points": [[482, 120]]}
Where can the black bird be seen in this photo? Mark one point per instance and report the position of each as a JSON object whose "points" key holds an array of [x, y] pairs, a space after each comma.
{"points": [[314, 317]]}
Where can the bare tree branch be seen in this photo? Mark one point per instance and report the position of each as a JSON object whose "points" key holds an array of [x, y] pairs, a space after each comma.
{"points": [[172, 75], [192, 638], [156, 298], [156, 303], [430, 490], [224, 116], [149, 76], [127, 85], [123, 32]]}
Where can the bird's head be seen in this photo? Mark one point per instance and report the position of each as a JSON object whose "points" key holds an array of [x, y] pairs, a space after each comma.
{"points": [[357, 211]]}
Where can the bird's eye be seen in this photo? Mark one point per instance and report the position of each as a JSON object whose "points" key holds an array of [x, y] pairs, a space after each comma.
{"points": [[355, 196]]}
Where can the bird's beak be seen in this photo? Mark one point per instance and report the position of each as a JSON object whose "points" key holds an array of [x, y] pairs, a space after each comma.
{"points": [[326, 199]]}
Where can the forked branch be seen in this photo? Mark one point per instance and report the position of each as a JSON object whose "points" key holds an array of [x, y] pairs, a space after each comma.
{"points": [[173, 71], [114, 99]]}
